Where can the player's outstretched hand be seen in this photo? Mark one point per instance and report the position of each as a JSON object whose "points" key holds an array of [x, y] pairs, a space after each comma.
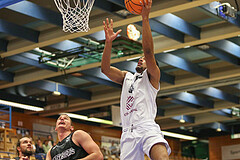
{"points": [[146, 7], [108, 29]]}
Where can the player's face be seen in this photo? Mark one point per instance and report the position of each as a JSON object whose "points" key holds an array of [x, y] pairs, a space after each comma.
{"points": [[26, 147], [141, 66], [64, 122]]}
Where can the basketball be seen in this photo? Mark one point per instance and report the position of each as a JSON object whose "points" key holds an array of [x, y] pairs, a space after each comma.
{"points": [[134, 6]]}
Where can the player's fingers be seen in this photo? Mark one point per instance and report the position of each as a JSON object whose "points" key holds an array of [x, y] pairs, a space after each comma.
{"points": [[149, 2], [107, 23], [111, 23], [104, 24], [119, 31]]}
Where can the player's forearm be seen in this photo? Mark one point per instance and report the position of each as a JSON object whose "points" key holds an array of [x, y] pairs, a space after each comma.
{"points": [[106, 57], [147, 40], [93, 156]]}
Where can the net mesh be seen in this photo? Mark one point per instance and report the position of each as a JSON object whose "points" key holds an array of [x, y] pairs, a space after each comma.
{"points": [[75, 14]]}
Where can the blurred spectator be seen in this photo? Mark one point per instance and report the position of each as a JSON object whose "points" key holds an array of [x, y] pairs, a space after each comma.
{"points": [[39, 147], [24, 148], [46, 147], [50, 141], [105, 153], [113, 149], [40, 155]]}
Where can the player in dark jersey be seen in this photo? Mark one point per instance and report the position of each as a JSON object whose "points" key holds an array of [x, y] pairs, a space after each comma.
{"points": [[73, 145]]}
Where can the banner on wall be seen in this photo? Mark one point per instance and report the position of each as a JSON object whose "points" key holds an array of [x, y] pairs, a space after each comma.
{"points": [[231, 152]]}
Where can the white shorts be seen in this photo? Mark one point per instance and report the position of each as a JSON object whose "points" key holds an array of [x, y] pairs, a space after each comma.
{"points": [[137, 140]]}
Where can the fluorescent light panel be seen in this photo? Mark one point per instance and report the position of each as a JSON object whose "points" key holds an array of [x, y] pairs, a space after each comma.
{"points": [[98, 120], [134, 58], [170, 50], [22, 106], [176, 135]]}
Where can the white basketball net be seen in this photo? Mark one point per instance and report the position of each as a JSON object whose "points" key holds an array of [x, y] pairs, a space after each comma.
{"points": [[75, 14]]}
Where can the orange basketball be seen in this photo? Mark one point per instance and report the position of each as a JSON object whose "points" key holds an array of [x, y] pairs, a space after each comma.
{"points": [[134, 6]]}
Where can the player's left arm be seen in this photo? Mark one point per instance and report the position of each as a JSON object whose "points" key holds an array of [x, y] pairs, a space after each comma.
{"points": [[48, 157], [85, 140], [147, 43]]}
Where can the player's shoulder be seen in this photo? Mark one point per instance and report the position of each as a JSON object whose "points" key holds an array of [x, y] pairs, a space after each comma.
{"points": [[80, 133], [79, 136]]}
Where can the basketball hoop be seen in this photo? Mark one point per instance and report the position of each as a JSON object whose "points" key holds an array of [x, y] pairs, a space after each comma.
{"points": [[75, 14]]}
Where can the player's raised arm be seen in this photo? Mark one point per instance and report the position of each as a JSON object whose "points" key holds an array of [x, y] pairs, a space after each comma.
{"points": [[147, 43], [113, 73]]}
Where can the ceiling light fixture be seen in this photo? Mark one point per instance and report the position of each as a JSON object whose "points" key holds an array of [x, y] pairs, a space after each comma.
{"points": [[56, 93], [182, 119], [132, 32], [97, 120], [22, 106], [180, 136], [219, 128]]}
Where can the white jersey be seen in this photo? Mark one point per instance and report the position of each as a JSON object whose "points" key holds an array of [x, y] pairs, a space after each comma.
{"points": [[138, 99]]}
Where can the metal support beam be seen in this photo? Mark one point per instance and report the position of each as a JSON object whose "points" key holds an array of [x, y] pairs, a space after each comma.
{"points": [[108, 6], [227, 46], [97, 76], [237, 86], [6, 76], [190, 98], [20, 99], [31, 62], [3, 45], [10, 117], [181, 63], [160, 112], [222, 113], [217, 93], [165, 77], [101, 81], [126, 65], [175, 101], [65, 45], [36, 11], [165, 30], [5, 112], [5, 3], [117, 2], [19, 31], [223, 56], [179, 24], [65, 90]]}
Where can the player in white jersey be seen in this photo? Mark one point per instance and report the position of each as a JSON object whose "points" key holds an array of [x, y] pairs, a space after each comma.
{"points": [[140, 133]]}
